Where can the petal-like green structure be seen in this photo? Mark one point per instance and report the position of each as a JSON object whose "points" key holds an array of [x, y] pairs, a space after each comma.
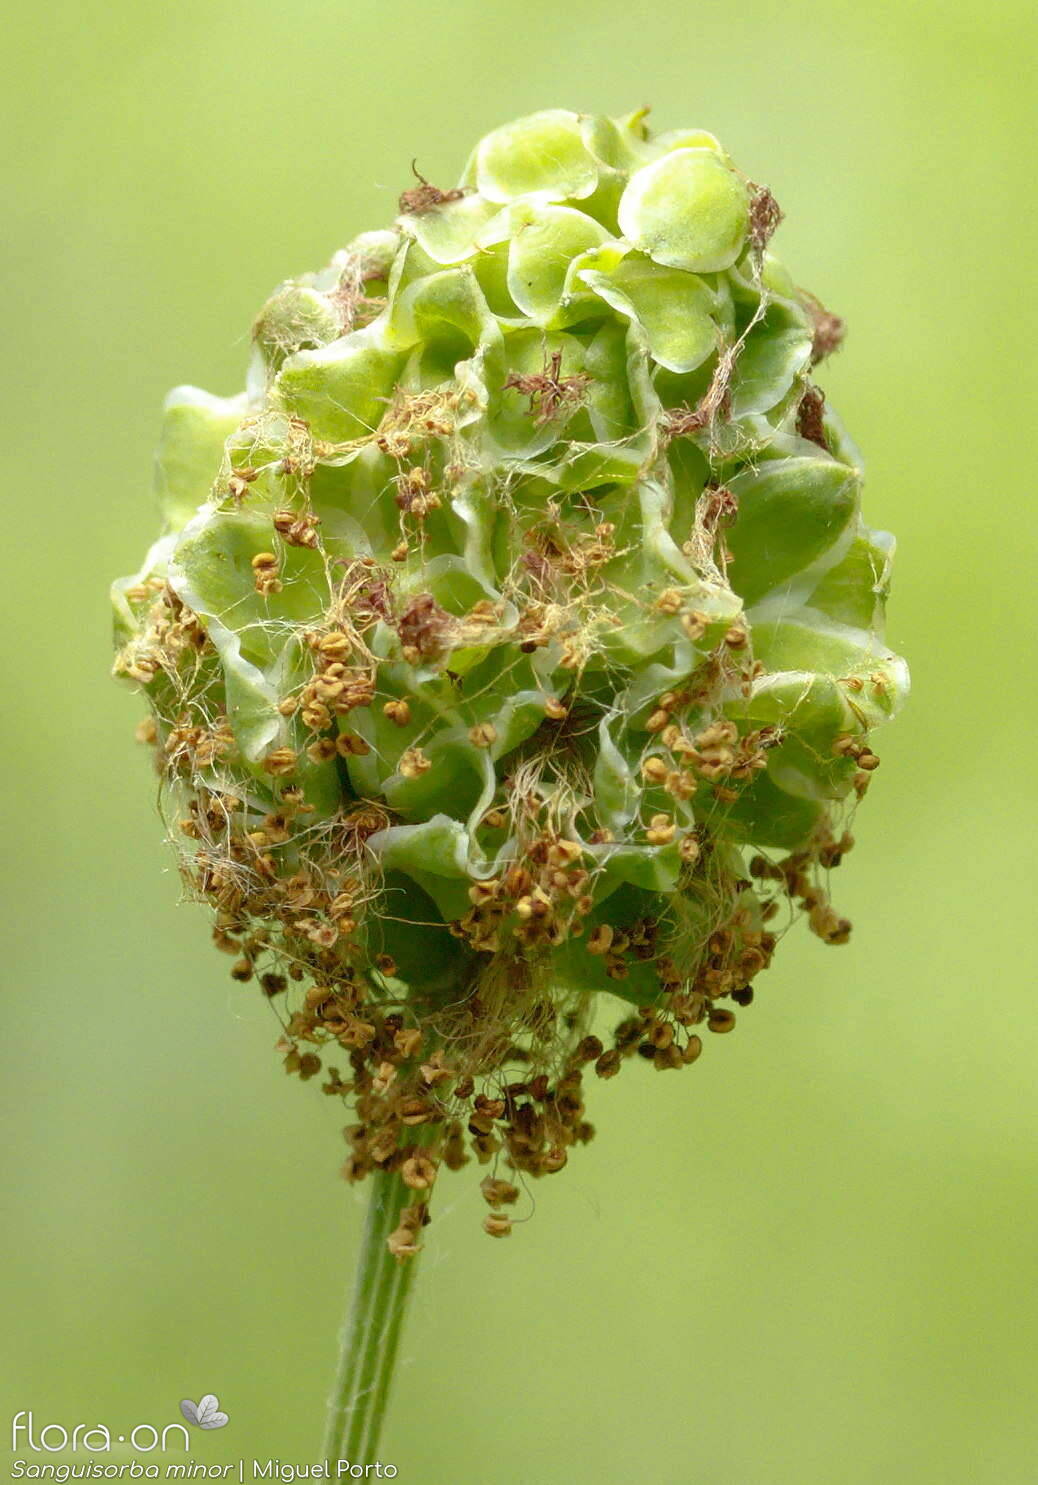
{"points": [[516, 634], [688, 209]]}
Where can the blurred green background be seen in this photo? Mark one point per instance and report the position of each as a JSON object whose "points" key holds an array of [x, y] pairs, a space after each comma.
{"points": [[813, 1257]]}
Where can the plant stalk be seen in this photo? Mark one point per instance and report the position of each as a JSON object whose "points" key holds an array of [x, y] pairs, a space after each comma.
{"points": [[371, 1335]]}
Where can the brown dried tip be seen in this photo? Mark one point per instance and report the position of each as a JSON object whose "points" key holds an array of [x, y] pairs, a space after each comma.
{"points": [[548, 390], [765, 215], [811, 417], [829, 330], [422, 627], [714, 406], [425, 197]]}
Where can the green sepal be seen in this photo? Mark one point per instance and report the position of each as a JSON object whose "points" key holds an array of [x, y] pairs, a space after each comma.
{"points": [[791, 513], [195, 426], [342, 389], [688, 210]]}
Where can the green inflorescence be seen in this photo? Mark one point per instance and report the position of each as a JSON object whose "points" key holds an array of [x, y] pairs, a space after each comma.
{"points": [[516, 635]]}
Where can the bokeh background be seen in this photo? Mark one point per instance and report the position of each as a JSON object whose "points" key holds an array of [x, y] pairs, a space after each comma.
{"points": [[813, 1257]]}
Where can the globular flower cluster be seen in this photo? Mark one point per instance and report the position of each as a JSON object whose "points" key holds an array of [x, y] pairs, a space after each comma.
{"points": [[515, 636]]}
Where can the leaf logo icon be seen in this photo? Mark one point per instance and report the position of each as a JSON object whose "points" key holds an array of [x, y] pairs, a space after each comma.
{"points": [[204, 1414]]}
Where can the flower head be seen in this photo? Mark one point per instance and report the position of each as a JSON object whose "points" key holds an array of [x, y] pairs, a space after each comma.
{"points": [[516, 636]]}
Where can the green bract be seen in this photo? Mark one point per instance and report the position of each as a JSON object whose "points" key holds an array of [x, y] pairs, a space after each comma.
{"points": [[516, 633]]}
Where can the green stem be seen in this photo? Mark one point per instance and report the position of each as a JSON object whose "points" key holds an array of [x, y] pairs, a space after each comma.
{"points": [[371, 1336]]}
